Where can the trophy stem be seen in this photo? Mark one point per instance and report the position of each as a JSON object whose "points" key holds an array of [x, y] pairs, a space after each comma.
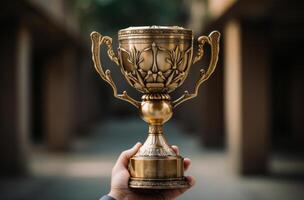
{"points": [[156, 144]]}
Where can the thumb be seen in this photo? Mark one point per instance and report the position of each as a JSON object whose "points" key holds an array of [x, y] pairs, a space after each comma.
{"points": [[126, 155]]}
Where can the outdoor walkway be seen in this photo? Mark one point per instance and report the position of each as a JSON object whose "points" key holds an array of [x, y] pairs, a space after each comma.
{"points": [[84, 172]]}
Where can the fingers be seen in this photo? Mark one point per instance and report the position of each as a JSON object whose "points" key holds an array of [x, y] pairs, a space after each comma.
{"points": [[124, 157], [191, 180], [176, 149], [187, 163]]}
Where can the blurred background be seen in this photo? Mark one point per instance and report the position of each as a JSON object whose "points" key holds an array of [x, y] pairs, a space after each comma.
{"points": [[61, 130]]}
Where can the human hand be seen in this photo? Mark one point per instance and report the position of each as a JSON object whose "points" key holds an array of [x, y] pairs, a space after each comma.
{"points": [[120, 179]]}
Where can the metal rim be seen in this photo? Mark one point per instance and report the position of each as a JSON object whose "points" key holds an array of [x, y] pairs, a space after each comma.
{"points": [[155, 32], [176, 183]]}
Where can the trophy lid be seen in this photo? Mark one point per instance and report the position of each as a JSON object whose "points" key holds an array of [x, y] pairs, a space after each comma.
{"points": [[155, 32]]}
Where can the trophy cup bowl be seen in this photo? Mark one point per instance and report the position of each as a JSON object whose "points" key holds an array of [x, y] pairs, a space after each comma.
{"points": [[155, 60]]}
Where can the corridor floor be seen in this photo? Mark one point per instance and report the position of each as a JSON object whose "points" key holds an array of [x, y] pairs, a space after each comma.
{"points": [[83, 173]]}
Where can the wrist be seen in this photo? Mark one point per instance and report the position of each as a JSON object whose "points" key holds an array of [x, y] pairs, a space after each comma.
{"points": [[116, 194]]}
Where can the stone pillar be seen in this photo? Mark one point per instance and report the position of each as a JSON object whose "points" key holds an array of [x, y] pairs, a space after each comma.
{"points": [[15, 98], [246, 96], [296, 99], [60, 99]]}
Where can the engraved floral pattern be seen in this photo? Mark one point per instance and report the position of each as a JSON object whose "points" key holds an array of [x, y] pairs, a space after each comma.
{"points": [[166, 80]]}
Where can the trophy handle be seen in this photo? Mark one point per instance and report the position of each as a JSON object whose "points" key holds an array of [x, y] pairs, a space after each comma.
{"points": [[97, 40], [213, 40]]}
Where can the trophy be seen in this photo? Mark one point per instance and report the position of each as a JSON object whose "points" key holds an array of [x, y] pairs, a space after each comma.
{"points": [[155, 60]]}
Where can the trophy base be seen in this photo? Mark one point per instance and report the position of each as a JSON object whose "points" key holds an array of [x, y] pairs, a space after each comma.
{"points": [[163, 172], [158, 184], [156, 165]]}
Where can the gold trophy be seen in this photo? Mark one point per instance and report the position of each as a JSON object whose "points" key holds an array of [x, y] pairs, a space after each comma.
{"points": [[155, 60]]}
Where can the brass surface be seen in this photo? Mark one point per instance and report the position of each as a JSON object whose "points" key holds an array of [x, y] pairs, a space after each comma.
{"points": [[155, 60], [138, 167]]}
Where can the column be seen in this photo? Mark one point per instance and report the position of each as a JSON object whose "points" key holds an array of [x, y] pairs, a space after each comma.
{"points": [[15, 98], [246, 96], [60, 99]]}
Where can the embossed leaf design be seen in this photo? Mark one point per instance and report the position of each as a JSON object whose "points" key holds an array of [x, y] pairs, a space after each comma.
{"points": [[175, 59], [171, 78], [134, 57]]}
